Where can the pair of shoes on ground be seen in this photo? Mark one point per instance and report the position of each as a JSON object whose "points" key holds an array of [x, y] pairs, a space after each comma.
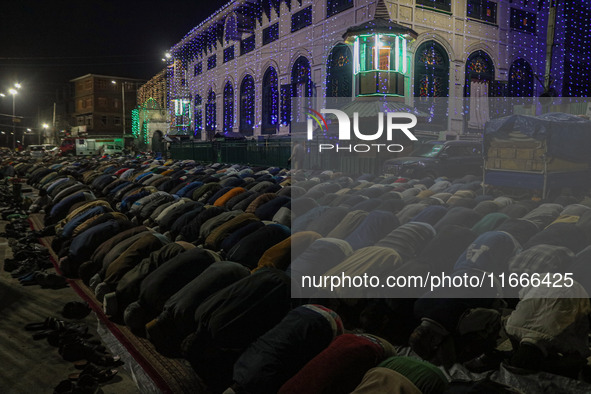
{"points": [[102, 375], [29, 238], [44, 279], [21, 250], [86, 384], [56, 330], [83, 350], [47, 324], [86, 381], [73, 341], [66, 334], [26, 267], [20, 257]]}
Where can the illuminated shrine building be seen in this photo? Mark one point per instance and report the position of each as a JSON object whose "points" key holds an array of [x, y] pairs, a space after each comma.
{"points": [[380, 54], [238, 71]]}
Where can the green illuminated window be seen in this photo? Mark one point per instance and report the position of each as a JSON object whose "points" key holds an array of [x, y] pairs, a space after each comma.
{"points": [[383, 52], [380, 63]]}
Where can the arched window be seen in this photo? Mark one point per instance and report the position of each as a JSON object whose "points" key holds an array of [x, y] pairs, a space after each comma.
{"points": [[521, 79], [210, 115], [479, 70], [231, 29], [301, 87], [431, 70], [270, 102], [247, 102], [339, 72], [198, 117], [301, 78], [228, 107], [480, 75], [431, 83]]}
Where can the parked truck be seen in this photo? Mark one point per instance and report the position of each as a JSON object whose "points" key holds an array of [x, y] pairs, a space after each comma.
{"points": [[544, 153], [90, 146]]}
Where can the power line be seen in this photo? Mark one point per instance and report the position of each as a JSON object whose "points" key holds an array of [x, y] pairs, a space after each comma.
{"points": [[79, 64], [72, 57], [16, 127]]}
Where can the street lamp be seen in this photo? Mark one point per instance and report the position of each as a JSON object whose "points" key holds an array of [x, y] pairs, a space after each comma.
{"points": [[45, 127], [122, 106]]}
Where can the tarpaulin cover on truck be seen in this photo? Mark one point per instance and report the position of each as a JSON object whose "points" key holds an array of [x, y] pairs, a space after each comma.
{"points": [[567, 136]]}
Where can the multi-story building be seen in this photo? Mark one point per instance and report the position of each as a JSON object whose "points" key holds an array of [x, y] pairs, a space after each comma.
{"points": [[103, 104], [238, 70]]}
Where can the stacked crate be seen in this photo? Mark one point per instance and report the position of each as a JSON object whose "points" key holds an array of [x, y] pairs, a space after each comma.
{"points": [[526, 154]]}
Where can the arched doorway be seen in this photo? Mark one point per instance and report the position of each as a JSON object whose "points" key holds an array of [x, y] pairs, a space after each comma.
{"points": [[480, 74], [339, 72], [158, 143]]}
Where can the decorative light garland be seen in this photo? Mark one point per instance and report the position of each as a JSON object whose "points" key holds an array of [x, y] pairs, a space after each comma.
{"points": [[146, 127], [247, 105], [228, 107], [571, 64], [135, 122], [574, 41], [141, 118]]}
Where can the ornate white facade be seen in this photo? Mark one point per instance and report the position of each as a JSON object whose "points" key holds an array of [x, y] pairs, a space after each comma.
{"points": [[493, 35]]}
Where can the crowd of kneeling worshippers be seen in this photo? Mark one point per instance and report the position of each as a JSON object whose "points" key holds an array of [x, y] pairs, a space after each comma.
{"points": [[198, 259]]}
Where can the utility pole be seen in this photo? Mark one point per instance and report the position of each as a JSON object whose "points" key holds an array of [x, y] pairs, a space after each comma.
{"points": [[550, 39], [13, 122], [57, 142], [123, 105]]}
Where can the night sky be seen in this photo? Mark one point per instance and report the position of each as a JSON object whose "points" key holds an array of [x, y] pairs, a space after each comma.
{"points": [[46, 43]]}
